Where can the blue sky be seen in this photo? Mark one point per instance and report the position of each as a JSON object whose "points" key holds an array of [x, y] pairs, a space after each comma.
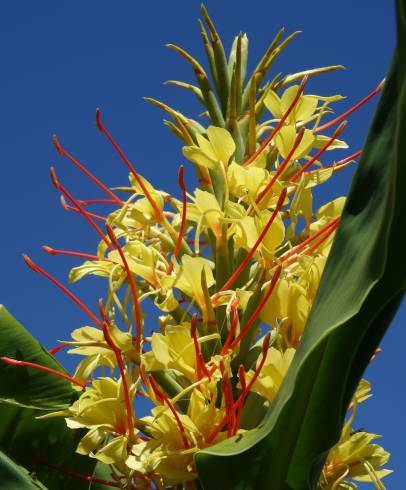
{"points": [[61, 60]]}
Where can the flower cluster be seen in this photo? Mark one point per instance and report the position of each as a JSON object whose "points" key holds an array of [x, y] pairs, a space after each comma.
{"points": [[232, 268]]}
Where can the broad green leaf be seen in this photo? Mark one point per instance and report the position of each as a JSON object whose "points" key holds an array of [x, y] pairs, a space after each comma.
{"points": [[359, 293], [14, 477], [28, 386], [35, 444], [22, 392]]}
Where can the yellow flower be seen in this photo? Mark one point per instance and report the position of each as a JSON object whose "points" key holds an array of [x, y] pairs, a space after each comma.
{"points": [[213, 151], [165, 453], [272, 373], [90, 342], [303, 110], [355, 457], [172, 350]]}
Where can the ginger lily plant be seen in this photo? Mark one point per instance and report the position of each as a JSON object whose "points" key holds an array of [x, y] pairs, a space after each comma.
{"points": [[233, 267]]}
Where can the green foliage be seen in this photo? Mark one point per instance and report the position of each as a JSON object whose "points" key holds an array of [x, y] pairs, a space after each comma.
{"points": [[28, 441]]}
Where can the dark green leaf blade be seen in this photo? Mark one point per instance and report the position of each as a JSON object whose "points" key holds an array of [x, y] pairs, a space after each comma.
{"points": [[27, 386], [14, 477]]}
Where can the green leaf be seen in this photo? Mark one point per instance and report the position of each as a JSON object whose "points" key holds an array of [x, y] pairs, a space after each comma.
{"points": [[22, 392], [43, 446], [28, 386], [14, 477], [359, 293]]}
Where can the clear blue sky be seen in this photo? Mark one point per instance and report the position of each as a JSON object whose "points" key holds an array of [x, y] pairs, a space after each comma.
{"points": [[61, 60]]}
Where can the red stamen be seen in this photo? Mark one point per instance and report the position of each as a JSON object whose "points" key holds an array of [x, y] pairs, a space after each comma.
{"points": [[311, 238], [258, 309], [193, 334], [250, 254], [233, 326], [100, 184], [53, 251], [162, 396], [117, 353], [68, 207], [56, 349], [15, 362], [284, 164], [66, 193], [203, 365], [89, 202], [340, 163], [352, 109], [38, 269], [137, 309], [322, 239], [265, 347], [158, 212], [80, 476], [228, 399], [239, 408], [183, 221], [336, 134], [266, 142]]}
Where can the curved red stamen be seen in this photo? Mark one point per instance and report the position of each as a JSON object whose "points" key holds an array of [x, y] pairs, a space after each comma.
{"points": [[266, 142], [228, 398], [58, 348], [351, 110], [86, 215], [83, 169], [75, 474], [233, 326], [158, 212], [336, 134], [282, 167], [117, 353], [15, 362], [183, 220], [258, 309], [137, 309], [163, 397], [89, 202], [53, 251], [311, 238], [340, 163], [265, 347], [44, 273], [250, 254], [68, 207]]}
